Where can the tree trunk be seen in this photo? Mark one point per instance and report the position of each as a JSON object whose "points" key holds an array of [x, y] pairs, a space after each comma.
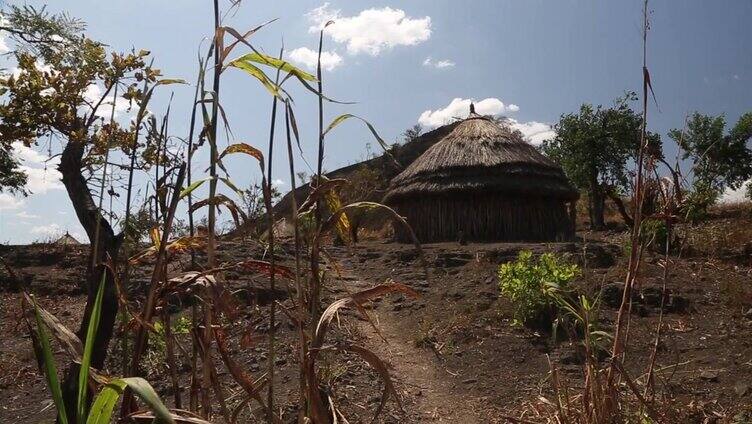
{"points": [[108, 245], [573, 218], [621, 207], [597, 205]]}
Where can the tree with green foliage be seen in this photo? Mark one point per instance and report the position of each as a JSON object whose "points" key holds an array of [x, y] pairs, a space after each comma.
{"points": [[64, 84], [719, 160], [594, 147], [12, 178], [34, 31]]}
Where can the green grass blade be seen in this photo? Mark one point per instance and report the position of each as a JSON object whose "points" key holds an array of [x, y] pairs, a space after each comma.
{"points": [[282, 65], [342, 118], [194, 185], [91, 331], [146, 393], [101, 410], [228, 182], [257, 73], [50, 368]]}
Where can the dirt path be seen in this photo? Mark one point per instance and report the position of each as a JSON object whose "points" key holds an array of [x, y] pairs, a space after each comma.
{"points": [[430, 392]]}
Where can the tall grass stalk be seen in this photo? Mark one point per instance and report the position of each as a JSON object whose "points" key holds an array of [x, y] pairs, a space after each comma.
{"points": [[315, 277], [301, 312], [128, 232], [620, 334], [206, 361], [147, 313], [270, 222], [198, 95]]}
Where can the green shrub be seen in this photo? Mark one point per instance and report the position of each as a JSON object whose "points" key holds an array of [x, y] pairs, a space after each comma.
{"points": [[537, 288], [655, 234], [698, 201], [156, 352]]}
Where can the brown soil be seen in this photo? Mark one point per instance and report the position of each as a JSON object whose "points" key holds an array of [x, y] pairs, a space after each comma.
{"points": [[454, 354]]}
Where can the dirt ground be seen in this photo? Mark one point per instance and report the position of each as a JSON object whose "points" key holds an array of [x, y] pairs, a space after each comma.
{"points": [[454, 354]]}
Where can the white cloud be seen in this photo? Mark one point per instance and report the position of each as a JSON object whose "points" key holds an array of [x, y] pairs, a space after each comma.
{"points": [[26, 215], [372, 30], [93, 93], [534, 132], [460, 108], [51, 230], [27, 154], [278, 182], [439, 64], [8, 202], [308, 58], [39, 179], [446, 63], [735, 196]]}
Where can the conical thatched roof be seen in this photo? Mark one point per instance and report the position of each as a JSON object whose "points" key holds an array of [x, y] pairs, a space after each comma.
{"points": [[480, 155], [67, 239]]}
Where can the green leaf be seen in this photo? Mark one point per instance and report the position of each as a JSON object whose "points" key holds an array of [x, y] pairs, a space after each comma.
{"points": [[282, 65], [257, 73], [232, 186], [91, 331], [240, 38], [147, 97], [309, 88], [168, 81], [340, 119], [101, 411], [50, 368], [193, 186]]}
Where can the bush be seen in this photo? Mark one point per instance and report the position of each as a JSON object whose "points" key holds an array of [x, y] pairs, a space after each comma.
{"points": [[698, 201], [655, 234], [537, 288]]}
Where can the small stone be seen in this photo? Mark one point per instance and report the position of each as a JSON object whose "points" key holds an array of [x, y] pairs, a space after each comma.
{"points": [[741, 388], [470, 381], [709, 375]]}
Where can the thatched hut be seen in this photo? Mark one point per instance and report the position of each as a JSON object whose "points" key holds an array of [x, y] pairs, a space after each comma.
{"points": [[483, 182], [67, 240]]}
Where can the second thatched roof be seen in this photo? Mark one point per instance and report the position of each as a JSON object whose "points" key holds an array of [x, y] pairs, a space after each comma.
{"points": [[480, 155]]}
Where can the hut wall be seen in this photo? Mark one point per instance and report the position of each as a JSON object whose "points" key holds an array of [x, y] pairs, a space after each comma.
{"points": [[482, 217]]}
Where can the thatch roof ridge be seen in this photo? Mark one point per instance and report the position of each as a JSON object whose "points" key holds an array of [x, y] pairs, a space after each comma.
{"points": [[481, 155], [405, 155]]}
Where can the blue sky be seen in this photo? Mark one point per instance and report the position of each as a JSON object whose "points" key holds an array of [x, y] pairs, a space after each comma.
{"points": [[407, 61]]}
